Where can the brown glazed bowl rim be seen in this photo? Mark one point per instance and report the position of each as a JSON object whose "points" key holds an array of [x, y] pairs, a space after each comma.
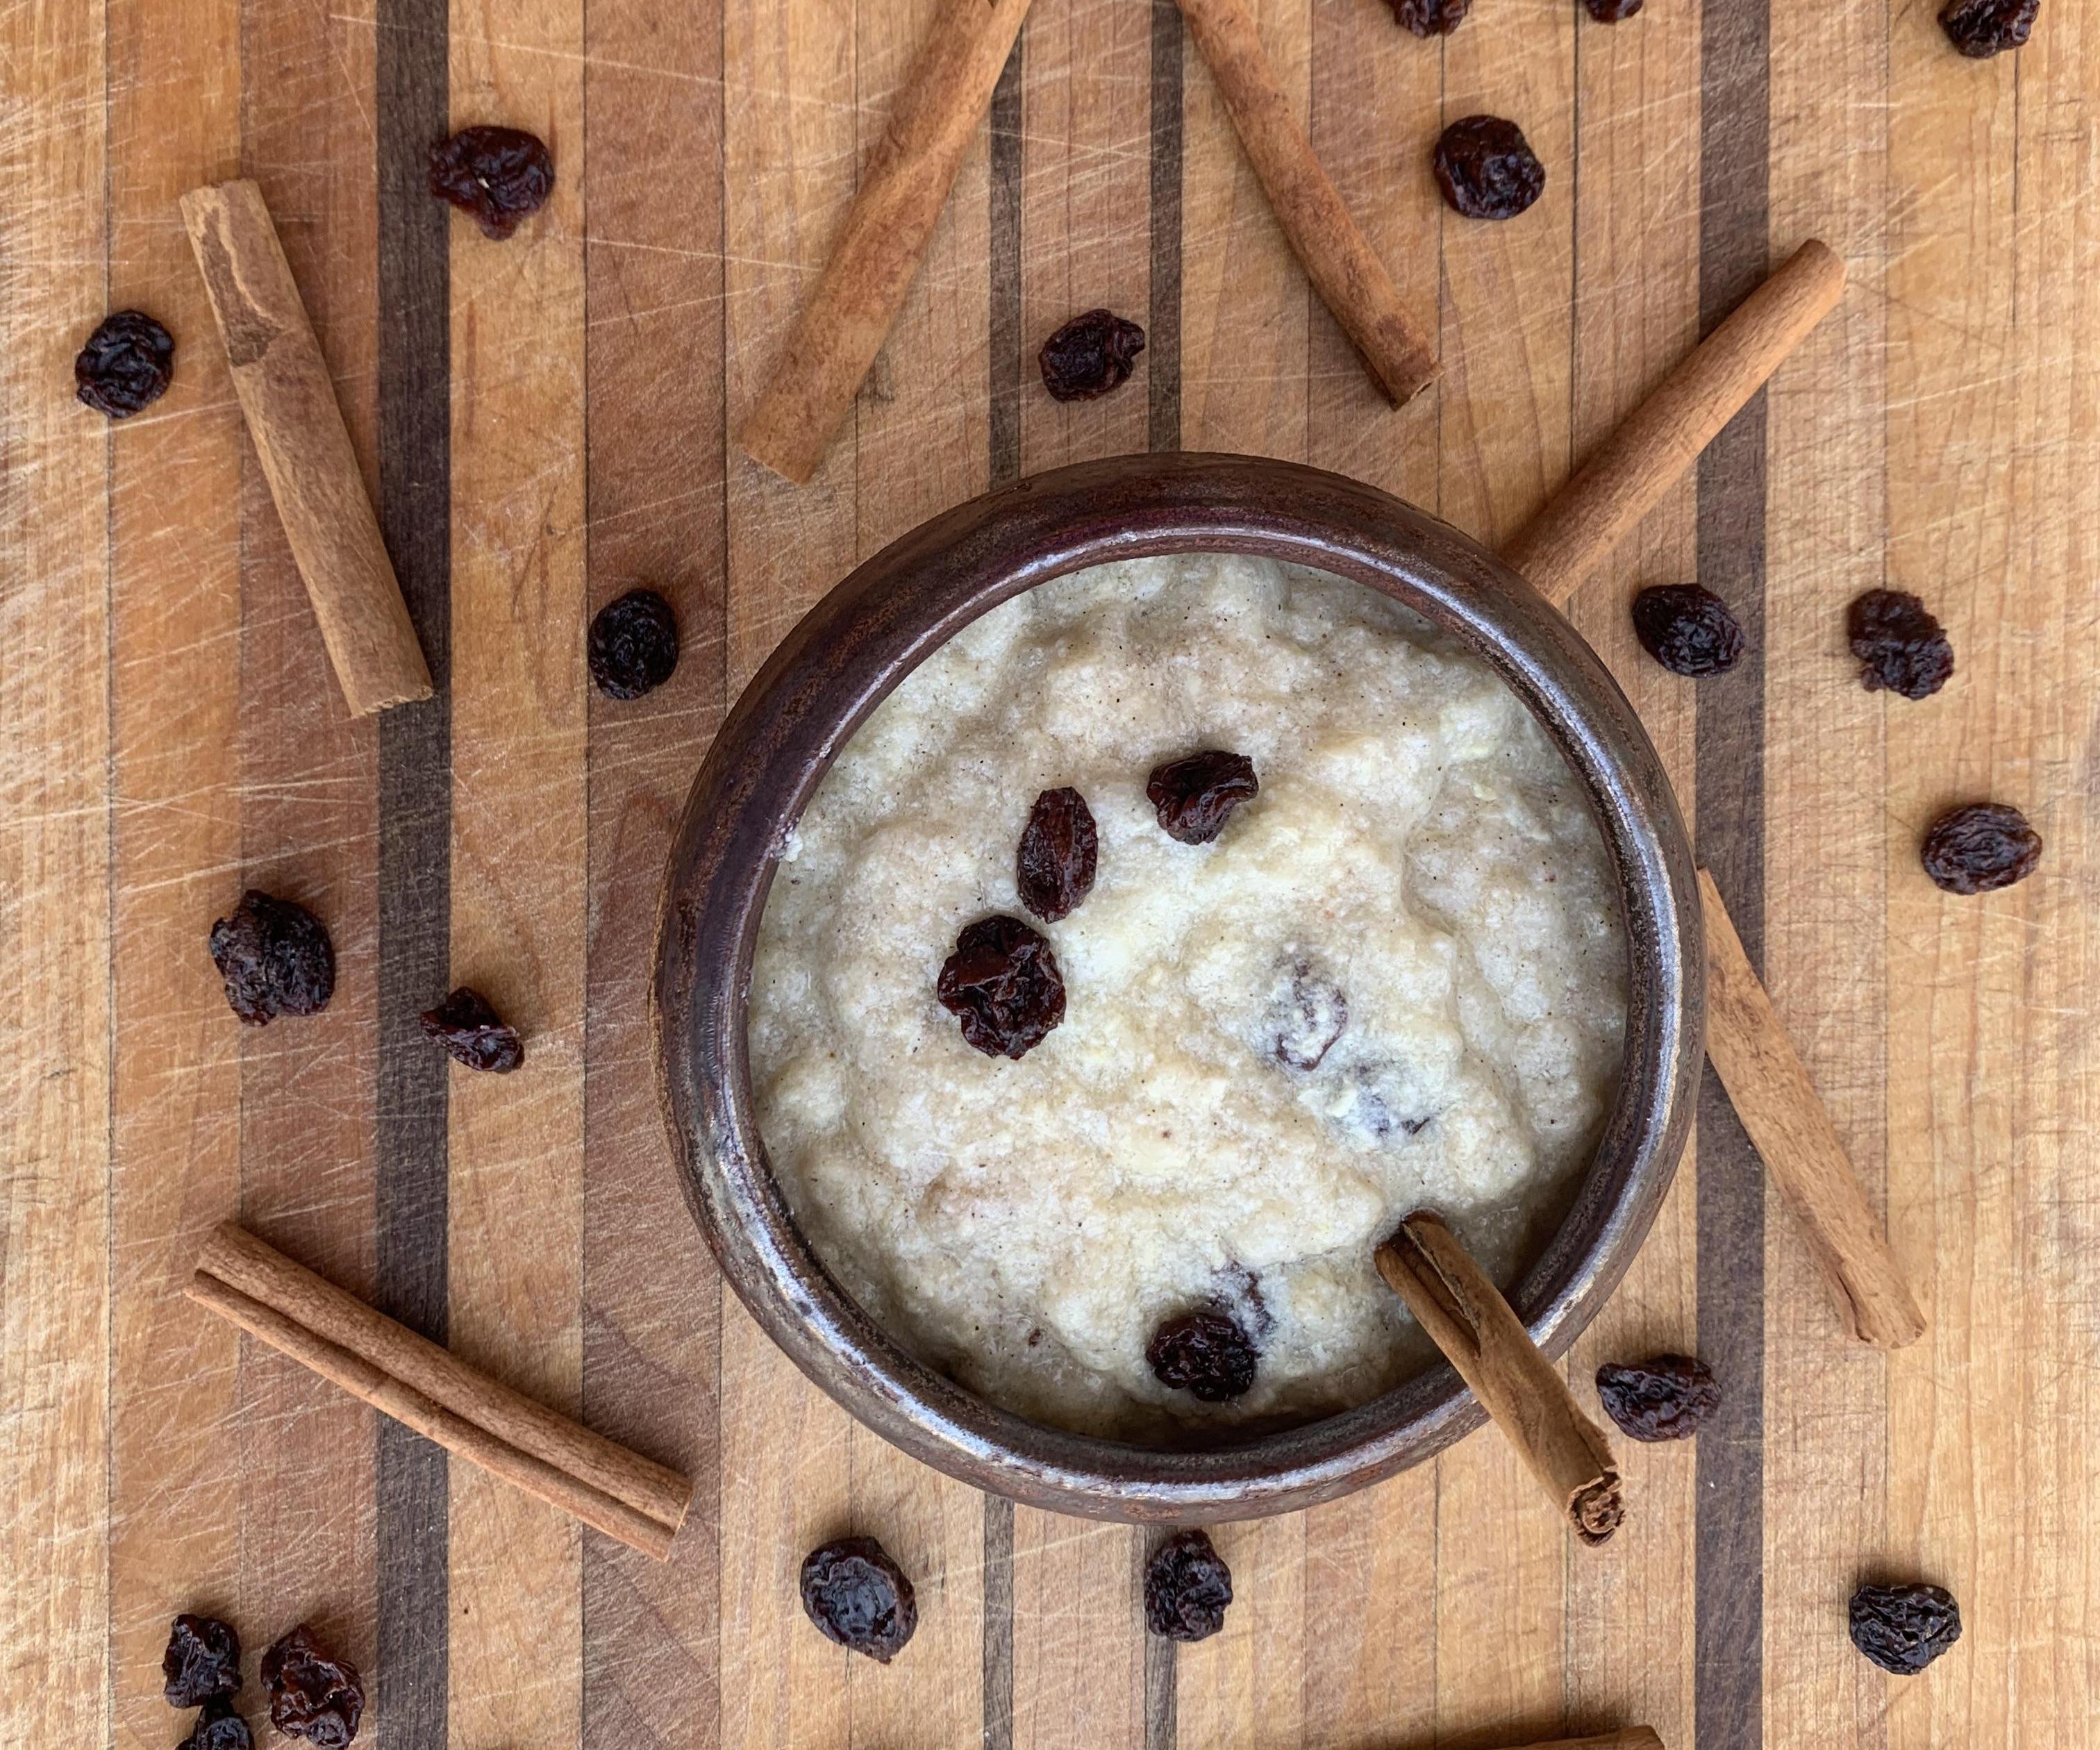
{"points": [[847, 652]]}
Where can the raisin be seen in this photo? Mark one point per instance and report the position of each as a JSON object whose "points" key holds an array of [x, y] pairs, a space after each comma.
{"points": [[219, 1727], [1187, 1587], [1613, 12], [126, 365], [1431, 18], [1305, 1018], [1903, 1628], [1002, 983], [1689, 630], [203, 1659], [859, 1597], [1664, 1397], [473, 1033], [1206, 1353], [1195, 796], [276, 957], [633, 645], [1054, 867], [1487, 168], [1090, 355], [1981, 28], [1900, 645], [312, 1693], [1980, 848], [500, 176]]}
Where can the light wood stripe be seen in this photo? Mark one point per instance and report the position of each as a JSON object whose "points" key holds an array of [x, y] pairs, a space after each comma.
{"points": [[173, 1480], [55, 858], [654, 444], [520, 910]]}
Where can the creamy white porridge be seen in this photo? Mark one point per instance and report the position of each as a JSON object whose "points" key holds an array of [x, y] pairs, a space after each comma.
{"points": [[1396, 979]]}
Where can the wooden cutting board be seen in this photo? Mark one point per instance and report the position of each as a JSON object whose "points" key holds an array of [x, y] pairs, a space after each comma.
{"points": [[543, 422]]}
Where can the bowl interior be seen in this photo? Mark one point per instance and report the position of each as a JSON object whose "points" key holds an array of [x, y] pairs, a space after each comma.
{"points": [[849, 653]]}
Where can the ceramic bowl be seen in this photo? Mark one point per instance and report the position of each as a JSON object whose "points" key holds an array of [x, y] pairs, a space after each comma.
{"points": [[839, 663]]}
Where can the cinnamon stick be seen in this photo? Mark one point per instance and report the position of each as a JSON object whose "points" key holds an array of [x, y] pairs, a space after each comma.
{"points": [[1337, 257], [1631, 1738], [1563, 544], [286, 396], [427, 1388], [871, 266], [1770, 1088], [1620, 483], [1465, 1314]]}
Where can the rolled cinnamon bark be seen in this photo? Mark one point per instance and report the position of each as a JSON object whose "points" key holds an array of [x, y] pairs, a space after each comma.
{"points": [[1770, 1088], [901, 192], [289, 400], [1653, 445], [1453, 1299], [1337, 257], [427, 1388]]}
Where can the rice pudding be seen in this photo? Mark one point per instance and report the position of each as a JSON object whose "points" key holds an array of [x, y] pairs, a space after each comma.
{"points": [[1395, 978]]}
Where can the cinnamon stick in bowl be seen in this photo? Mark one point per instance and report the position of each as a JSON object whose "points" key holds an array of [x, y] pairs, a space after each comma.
{"points": [[1453, 1299]]}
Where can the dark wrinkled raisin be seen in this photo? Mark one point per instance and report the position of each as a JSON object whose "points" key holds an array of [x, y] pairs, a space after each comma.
{"points": [[1980, 848], [1206, 1353], [859, 1598], [1090, 355], [473, 1033], [126, 365], [313, 1694], [1900, 645], [1054, 867], [633, 645], [219, 1727], [1002, 983], [1903, 1628], [1689, 630], [203, 1659], [1195, 796], [500, 176], [276, 957], [1664, 1397], [1487, 168], [1187, 1587], [1305, 1018], [1613, 12], [1431, 18], [1981, 28]]}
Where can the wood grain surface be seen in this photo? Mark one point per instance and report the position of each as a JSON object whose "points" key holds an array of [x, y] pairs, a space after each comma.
{"points": [[544, 423]]}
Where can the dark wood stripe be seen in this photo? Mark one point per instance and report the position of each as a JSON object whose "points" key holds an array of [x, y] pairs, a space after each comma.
{"points": [[998, 1623], [1006, 379], [1163, 343], [415, 849], [1161, 1698], [1734, 251], [1006, 336]]}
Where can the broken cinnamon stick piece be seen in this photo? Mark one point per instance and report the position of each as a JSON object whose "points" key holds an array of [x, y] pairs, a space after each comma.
{"points": [[1465, 1314], [288, 401], [1653, 445], [901, 192], [1337, 257], [1770, 1088]]}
